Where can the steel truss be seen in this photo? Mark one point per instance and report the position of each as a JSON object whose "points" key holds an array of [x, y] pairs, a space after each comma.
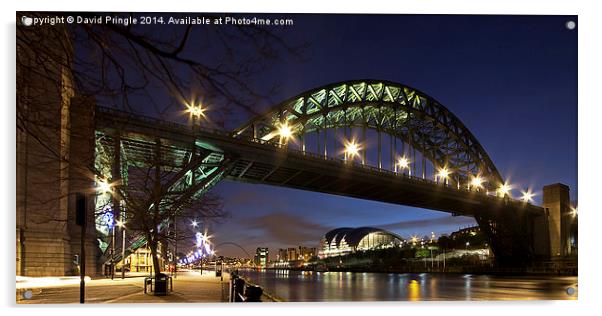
{"points": [[395, 110]]}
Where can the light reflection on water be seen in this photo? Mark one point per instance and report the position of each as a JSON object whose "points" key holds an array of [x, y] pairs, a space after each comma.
{"points": [[300, 286]]}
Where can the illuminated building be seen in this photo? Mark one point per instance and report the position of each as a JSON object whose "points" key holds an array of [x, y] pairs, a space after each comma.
{"points": [[282, 255], [301, 253], [468, 231], [292, 254], [306, 253], [141, 260], [262, 256], [343, 241]]}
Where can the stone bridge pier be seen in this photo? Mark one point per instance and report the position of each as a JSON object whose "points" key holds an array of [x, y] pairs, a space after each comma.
{"points": [[519, 238]]}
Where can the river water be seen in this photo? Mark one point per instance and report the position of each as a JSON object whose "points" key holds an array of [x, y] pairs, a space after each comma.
{"points": [[309, 286]]}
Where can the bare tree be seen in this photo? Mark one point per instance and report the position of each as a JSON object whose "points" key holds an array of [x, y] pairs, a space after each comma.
{"points": [[152, 205]]}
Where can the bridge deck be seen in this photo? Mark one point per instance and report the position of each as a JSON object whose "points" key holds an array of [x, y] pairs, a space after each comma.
{"points": [[271, 163]]}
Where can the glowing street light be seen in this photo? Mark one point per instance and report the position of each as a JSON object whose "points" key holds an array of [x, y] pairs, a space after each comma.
{"points": [[120, 224], [404, 163], [477, 182], [195, 110], [443, 174], [285, 132], [194, 223], [504, 189], [104, 186], [527, 196], [414, 240], [352, 149], [574, 211]]}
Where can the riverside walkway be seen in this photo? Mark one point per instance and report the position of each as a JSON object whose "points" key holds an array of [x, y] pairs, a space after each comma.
{"points": [[188, 287]]}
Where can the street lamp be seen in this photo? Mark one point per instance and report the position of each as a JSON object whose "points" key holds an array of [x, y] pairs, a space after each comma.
{"points": [[352, 149], [527, 196], [195, 110], [194, 223], [414, 240], [285, 132], [443, 174], [103, 186], [504, 189], [404, 163], [121, 225], [477, 182]]}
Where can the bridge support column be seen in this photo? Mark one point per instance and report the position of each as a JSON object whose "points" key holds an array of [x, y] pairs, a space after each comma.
{"points": [[518, 238], [557, 203], [511, 237]]}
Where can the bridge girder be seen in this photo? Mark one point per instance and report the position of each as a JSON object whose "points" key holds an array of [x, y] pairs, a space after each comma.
{"points": [[394, 109]]}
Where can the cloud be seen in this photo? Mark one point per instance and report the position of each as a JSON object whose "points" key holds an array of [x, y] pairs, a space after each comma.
{"points": [[436, 221], [288, 229]]}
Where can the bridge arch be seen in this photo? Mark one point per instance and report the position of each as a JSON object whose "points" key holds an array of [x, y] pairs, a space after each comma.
{"points": [[409, 117]]}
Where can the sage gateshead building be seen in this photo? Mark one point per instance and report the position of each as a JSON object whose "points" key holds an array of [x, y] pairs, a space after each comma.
{"points": [[346, 240]]}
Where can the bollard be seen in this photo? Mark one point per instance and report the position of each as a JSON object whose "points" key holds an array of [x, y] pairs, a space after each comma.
{"points": [[253, 293]]}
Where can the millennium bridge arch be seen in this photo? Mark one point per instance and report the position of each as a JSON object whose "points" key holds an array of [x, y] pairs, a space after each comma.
{"points": [[322, 140]]}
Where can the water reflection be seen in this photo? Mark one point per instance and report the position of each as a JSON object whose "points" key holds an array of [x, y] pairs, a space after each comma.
{"points": [[414, 290], [350, 286]]}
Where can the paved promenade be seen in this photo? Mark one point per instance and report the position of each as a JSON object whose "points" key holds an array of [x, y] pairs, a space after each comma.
{"points": [[188, 287]]}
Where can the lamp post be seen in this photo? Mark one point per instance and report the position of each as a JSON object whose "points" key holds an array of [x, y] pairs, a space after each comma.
{"points": [[113, 252], [121, 224], [123, 254], [175, 255]]}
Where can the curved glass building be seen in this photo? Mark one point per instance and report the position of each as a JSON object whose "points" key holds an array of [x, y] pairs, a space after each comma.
{"points": [[345, 240]]}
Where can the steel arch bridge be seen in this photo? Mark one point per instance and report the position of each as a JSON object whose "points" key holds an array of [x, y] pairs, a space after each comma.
{"points": [[404, 114], [367, 139]]}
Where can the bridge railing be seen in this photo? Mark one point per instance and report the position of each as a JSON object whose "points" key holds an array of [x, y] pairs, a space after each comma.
{"points": [[126, 116], [485, 193], [195, 130], [347, 162]]}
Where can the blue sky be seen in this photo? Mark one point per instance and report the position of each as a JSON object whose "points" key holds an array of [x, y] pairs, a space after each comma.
{"points": [[512, 80]]}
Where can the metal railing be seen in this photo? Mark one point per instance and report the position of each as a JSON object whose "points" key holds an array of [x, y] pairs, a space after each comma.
{"points": [[242, 291]]}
